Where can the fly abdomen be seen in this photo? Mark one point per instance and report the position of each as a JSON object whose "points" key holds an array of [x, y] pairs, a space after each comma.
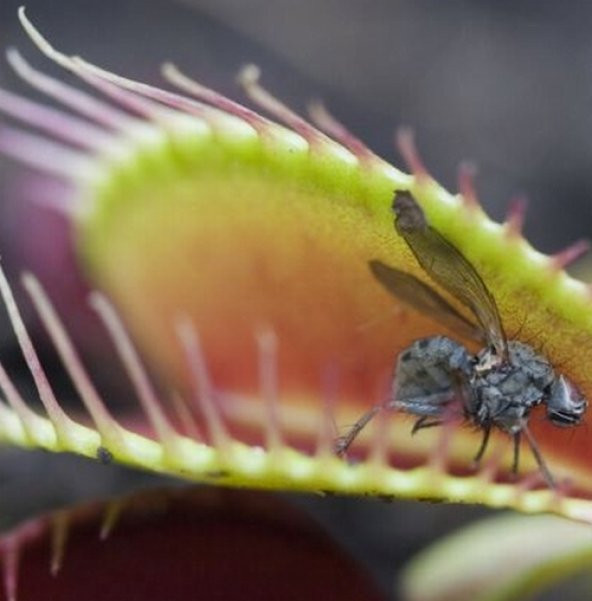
{"points": [[428, 375]]}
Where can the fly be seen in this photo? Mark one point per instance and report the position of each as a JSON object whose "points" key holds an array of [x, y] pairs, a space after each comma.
{"points": [[498, 387]]}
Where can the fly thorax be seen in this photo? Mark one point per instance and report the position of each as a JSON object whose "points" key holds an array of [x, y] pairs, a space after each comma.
{"points": [[505, 394]]}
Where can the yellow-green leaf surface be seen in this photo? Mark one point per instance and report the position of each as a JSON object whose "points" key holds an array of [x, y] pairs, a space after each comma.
{"points": [[505, 558], [237, 252]]}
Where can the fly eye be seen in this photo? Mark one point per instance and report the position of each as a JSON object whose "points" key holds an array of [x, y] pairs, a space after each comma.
{"points": [[565, 405]]}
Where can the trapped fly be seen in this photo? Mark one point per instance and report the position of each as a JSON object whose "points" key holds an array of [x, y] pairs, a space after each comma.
{"points": [[435, 376]]}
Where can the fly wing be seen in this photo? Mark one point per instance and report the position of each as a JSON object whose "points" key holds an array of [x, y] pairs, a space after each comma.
{"points": [[445, 264], [419, 296]]}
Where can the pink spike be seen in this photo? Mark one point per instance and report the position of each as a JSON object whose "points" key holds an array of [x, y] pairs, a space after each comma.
{"points": [[26, 415], [248, 78], [51, 193], [528, 482], [170, 99], [56, 123], [185, 416], [405, 142], [106, 425], [516, 215], [129, 100], [466, 184], [439, 455], [562, 489], [67, 203], [86, 72], [112, 514], [193, 87], [45, 155], [268, 376], [325, 121], [570, 254], [59, 535], [328, 431], [79, 101], [136, 372], [11, 556], [203, 389], [58, 417], [380, 443]]}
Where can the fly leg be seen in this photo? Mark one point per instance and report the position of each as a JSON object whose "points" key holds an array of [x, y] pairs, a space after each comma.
{"points": [[423, 422], [516, 460], [429, 406], [345, 441], [483, 446], [539, 458]]}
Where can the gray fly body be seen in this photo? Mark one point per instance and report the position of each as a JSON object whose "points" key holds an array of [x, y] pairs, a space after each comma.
{"points": [[437, 377]]}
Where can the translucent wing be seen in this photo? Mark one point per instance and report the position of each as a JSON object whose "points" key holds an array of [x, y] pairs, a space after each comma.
{"points": [[419, 296], [444, 263]]}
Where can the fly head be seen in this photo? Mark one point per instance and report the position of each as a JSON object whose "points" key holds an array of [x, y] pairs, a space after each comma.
{"points": [[565, 404]]}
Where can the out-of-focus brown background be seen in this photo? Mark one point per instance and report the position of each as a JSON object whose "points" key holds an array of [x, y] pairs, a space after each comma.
{"points": [[506, 84]]}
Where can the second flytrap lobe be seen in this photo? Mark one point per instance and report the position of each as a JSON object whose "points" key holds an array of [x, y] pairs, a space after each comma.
{"points": [[437, 377]]}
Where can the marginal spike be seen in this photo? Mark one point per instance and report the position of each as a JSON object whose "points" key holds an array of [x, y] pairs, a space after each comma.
{"points": [[131, 101], [528, 483], [128, 100], [440, 454], [54, 194], [328, 431], [60, 526], [570, 254], [466, 184], [204, 394], [113, 511], [44, 46], [84, 69], [379, 443], [63, 425], [248, 78], [45, 155], [379, 446], [516, 215], [104, 421], [136, 372], [268, 378], [405, 142], [10, 566], [176, 77], [58, 124], [186, 418], [326, 122], [79, 101], [170, 99], [29, 419]]}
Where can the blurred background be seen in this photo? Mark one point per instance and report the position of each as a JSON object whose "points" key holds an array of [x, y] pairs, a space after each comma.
{"points": [[505, 84]]}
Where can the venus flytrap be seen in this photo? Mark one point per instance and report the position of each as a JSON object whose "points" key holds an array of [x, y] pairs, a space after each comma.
{"points": [[237, 252]]}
